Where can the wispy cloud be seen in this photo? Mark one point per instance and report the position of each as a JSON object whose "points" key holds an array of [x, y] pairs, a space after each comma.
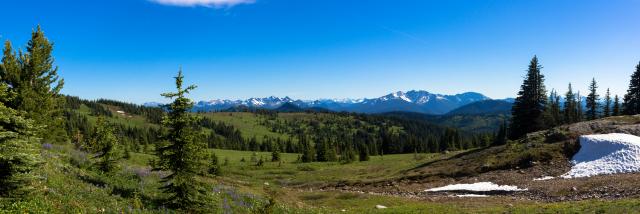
{"points": [[203, 3]]}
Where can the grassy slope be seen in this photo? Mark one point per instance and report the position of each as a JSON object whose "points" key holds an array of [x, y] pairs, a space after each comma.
{"points": [[70, 186], [247, 123]]}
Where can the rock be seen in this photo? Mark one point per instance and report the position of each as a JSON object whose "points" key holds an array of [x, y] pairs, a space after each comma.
{"points": [[574, 189], [380, 207]]}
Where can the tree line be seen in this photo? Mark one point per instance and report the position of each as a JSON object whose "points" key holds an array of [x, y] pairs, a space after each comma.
{"points": [[536, 110]]}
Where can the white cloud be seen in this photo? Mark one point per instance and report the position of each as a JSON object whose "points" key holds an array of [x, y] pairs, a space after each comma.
{"points": [[204, 3]]}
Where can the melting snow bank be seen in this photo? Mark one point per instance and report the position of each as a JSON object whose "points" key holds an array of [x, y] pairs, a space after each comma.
{"points": [[477, 187], [471, 196], [543, 178], [606, 154]]}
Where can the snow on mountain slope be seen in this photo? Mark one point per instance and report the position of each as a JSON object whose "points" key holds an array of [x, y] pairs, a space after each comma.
{"points": [[606, 154], [411, 101]]}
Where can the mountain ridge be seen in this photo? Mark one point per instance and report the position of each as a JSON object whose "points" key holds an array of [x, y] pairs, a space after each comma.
{"points": [[420, 101]]}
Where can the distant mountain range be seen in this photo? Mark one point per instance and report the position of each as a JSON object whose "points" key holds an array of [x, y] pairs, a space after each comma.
{"points": [[411, 101]]}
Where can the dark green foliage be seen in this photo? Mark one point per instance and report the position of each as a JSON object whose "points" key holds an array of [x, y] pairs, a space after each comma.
{"points": [[571, 105], [152, 114], [34, 80], [308, 152], [106, 146], [606, 110], [348, 155], [580, 115], [275, 156], [529, 106], [616, 106], [325, 152], [483, 107], [451, 140], [19, 151], [501, 136], [631, 104], [214, 168], [592, 101], [363, 153], [182, 155], [553, 114]]}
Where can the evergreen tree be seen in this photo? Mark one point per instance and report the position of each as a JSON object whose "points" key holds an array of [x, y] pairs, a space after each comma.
{"points": [[631, 103], [34, 80], [19, 150], [214, 168], [308, 153], [529, 107], [275, 156], [570, 111], [501, 137], [348, 155], [105, 144], [331, 153], [553, 113], [321, 150], [606, 111], [182, 155], [363, 154], [592, 101], [616, 106], [580, 114]]}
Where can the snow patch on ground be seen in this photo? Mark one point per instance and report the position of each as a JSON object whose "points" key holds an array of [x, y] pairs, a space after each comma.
{"points": [[477, 187], [472, 196], [606, 154], [543, 178]]}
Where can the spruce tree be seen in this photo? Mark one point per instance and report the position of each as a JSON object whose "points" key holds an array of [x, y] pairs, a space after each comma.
{"points": [[570, 111], [631, 103], [321, 150], [19, 150], [553, 113], [501, 136], [105, 144], [214, 167], [308, 152], [34, 80], [616, 106], [363, 154], [529, 107], [580, 112], [606, 111], [182, 154], [592, 101]]}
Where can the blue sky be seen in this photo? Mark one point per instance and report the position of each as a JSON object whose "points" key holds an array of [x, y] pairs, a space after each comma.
{"points": [[129, 49]]}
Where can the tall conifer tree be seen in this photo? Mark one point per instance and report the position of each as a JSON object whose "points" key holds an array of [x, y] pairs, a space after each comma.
{"points": [[553, 113], [631, 103], [529, 107], [580, 114], [34, 80], [570, 106], [106, 145], [19, 150], [606, 110], [183, 155], [592, 101], [616, 106]]}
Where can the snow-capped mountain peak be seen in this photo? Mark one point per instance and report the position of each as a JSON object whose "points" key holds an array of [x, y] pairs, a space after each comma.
{"points": [[414, 101]]}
